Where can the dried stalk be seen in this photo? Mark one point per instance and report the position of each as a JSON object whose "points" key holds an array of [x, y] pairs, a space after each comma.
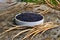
{"points": [[45, 28], [29, 33], [42, 29], [56, 7], [20, 33], [10, 9], [49, 3], [10, 29], [45, 12], [58, 1], [36, 32], [33, 31]]}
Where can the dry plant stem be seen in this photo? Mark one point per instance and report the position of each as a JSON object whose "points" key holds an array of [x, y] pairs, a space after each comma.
{"points": [[48, 3], [36, 32], [2, 36], [58, 4], [33, 31], [30, 33], [56, 7], [58, 1], [16, 25], [14, 6], [10, 29], [11, 5], [47, 27], [11, 24], [39, 30], [9, 11], [45, 12], [20, 33]]}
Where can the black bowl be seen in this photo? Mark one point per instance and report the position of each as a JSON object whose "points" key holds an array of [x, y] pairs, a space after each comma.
{"points": [[29, 17]]}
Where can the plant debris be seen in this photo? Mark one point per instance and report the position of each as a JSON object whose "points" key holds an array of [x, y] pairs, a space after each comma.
{"points": [[7, 16]]}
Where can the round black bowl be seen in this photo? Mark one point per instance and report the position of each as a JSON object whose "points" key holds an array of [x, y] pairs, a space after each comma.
{"points": [[29, 19]]}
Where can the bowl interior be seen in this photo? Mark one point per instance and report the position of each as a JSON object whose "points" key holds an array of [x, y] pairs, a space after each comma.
{"points": [[29, 17]]}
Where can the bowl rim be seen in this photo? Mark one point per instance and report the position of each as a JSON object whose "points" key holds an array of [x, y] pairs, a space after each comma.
{"points": [[27, 21]]}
